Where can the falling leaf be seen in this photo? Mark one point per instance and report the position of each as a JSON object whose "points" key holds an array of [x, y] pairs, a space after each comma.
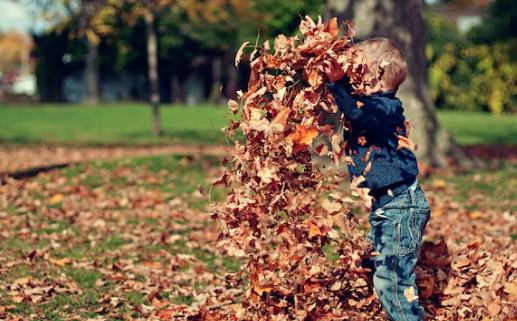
{"points": [[511, 288], [410, 295], [303, 135], [405, 142], [240, 52], [282, 116], [233, 106], [332, 27]]}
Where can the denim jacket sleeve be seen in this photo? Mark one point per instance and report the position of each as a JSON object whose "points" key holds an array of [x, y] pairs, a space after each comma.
{"points": [[376, 112]]}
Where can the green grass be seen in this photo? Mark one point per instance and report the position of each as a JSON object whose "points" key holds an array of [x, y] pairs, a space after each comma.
{"points": [[473, 128], [497, 184], [120, 124], [130, 124]]}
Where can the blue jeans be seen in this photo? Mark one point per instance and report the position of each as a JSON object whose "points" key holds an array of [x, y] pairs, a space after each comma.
{"points": [[396, 233]]}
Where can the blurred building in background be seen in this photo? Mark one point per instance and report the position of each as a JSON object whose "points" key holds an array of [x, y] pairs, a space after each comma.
{"points": [[17, 79], [463, 14]]}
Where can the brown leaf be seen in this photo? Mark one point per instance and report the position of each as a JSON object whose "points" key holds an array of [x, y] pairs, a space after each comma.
{"points": [[405, 142]]}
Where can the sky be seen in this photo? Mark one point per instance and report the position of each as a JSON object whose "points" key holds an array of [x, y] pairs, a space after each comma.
{"points": [[18, 17], [14, 16]]}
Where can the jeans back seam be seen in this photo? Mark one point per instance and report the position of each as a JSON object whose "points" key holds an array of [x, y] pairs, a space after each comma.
{"points": [[395, 280]]}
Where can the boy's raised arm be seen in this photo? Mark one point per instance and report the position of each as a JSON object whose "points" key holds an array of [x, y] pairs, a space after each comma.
{"points": [[345, 102]]}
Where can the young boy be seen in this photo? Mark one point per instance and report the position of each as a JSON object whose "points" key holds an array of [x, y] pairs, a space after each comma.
{"points": [[400, 210]]}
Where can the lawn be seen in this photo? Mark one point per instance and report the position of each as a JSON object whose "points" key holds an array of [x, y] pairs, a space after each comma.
{"points": [[473, 128], [110, 124], [130, 124]]}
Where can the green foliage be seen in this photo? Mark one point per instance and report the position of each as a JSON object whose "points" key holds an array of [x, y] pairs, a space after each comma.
{"points": [[499, 25], [283, 17], [465, 75]]}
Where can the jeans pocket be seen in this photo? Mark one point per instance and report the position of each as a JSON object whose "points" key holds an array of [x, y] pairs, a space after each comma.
{"points": [[412, 230]]}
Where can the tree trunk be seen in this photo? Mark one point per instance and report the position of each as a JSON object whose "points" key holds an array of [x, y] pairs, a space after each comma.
{"points": [[91, 73], [91, 69], [233, 80], [217, 80], [403, 22], [152, 60], [175, 89]]}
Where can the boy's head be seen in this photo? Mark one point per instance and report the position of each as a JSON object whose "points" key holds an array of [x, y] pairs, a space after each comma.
{"points": [[383, 53]]}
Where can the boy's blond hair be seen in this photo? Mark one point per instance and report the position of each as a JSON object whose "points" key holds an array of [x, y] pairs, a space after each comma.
{"points": [[383, 53]]}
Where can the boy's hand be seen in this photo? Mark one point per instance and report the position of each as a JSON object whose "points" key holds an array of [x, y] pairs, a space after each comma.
{"points": [[333, 71]]}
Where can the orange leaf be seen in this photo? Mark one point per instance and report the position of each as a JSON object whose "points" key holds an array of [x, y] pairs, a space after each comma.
{"points": [[165, 314], [511, 288], [332, 27], [55, 199], [259, 289], [282, 116], [316, 230], [315, 78], [310, 286], [303, 135], [475, 214], [60, 262], [405, 142], [155, 302]]}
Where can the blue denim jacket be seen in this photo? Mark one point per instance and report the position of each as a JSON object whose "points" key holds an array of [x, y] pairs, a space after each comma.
{"points": [[372, 124]]}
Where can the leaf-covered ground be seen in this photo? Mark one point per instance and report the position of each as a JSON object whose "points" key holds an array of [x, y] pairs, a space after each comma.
{"points": [[108, 240], [132, 239]]}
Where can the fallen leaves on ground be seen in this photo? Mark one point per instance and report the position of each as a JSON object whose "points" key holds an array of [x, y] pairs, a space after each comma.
{"points": [[118, 243], [139, 252]]}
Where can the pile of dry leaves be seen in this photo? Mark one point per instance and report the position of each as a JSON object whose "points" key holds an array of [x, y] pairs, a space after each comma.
{"points": [[283, 214], [290, 220]]}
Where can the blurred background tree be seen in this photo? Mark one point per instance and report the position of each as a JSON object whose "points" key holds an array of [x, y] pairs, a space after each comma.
{"points": [[106, 50], [476, 70]]}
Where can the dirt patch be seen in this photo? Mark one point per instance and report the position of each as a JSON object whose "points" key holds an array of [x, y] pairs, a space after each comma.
{"points": [[493, 152], [16, 159]]}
